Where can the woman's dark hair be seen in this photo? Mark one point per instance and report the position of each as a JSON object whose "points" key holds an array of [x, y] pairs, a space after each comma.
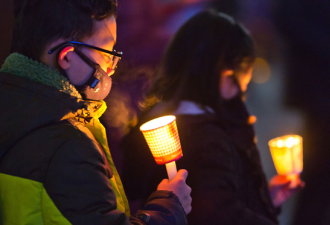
{"points": [[205, 45], [39, 22]]}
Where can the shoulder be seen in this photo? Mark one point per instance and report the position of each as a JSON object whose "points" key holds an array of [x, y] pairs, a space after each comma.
{"points": [[203, 138], [62, 142], [61, 132], [72, 137], [205, 128]]}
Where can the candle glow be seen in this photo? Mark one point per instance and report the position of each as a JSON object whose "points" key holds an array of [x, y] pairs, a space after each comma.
{"points": [[287, 154], [163, 140]]}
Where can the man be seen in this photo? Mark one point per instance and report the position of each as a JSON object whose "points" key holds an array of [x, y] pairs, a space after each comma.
{"points": [[55, 165]]}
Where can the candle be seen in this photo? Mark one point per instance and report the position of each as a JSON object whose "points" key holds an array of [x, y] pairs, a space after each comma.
{"points": [[287, 155], [163, 140]]}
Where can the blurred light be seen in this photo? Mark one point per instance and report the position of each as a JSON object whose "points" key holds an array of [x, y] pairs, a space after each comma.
{"points": [[287, 153], [290, 142], [280, 144], [252, 119], [261, 71], [157, 123]]}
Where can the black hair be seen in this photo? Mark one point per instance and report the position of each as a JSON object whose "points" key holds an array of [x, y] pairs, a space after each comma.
{"points": [[205, 45], [39, 22]]}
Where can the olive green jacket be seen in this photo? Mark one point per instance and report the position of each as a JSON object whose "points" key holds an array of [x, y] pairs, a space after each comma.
{"points": [[55, 164]]}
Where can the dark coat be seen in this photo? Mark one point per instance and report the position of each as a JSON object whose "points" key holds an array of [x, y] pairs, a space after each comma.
{"points": [[225, 174], [53, 171]]}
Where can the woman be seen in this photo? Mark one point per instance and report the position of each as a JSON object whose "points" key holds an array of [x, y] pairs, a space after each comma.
{"points": [[202, 78]]}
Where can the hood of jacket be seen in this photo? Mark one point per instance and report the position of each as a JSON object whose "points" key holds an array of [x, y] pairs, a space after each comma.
{"points": [[33, 95]]}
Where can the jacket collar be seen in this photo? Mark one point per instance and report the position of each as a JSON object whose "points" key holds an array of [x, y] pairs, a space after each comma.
{"points": [[191, 108], [91, 110], [23, 66]]}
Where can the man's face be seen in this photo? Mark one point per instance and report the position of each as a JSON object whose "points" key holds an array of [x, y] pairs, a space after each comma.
{"points": [[104, 36]]}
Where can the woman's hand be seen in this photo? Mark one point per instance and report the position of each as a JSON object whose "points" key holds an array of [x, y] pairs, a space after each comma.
{"points": [[180, 188], [283, 187]]}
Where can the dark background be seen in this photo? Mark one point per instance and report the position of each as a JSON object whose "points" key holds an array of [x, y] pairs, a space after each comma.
{"points": [[285, 94]]}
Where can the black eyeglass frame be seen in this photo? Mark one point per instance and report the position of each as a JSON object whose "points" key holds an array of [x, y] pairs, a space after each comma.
{"points": [[114, 53]]}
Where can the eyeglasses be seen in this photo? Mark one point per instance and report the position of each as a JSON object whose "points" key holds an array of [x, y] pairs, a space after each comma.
{"points": [[116, 55]]}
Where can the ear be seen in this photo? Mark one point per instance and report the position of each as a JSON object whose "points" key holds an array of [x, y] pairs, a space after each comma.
{"points": [[226, 81], [226, 73], [65, 57], [228, 88]]}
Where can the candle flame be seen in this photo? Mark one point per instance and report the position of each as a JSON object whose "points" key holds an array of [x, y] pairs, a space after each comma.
{"points": [[280, 143], [289, 142], [157, 123]]}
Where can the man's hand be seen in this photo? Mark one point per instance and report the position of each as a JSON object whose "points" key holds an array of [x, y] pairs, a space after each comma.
{"points": [[180, 188], [283, 187]]}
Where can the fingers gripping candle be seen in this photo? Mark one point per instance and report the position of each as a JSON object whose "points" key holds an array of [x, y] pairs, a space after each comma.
{"points": [[163, 140]]}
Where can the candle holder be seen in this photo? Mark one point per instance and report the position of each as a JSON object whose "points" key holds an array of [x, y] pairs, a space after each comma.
{"points": [[287, 154], [163, 140]]}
